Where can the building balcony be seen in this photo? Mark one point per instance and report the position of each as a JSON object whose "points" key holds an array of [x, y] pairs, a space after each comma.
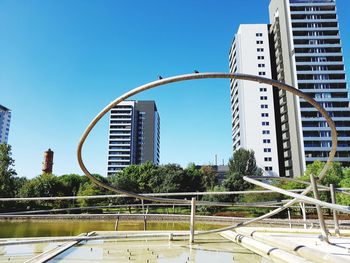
{"points": [[337, 54], [316, 37], [285, 136], [314, 12], [317, 46], [119, 145], [313, 29], [314, 20], [287, 154], [316, 4], [115, 118], [328, 109], [325, 138], [321, 81], [325, 128], [118, 155], [308, 119], [286, 145], [288, 163], [284, 118], [314, 72], [283, 101], [325, 63], [325, 149], [324, 159]]}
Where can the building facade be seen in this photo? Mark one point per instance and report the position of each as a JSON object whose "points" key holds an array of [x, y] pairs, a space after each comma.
{"points": [[134, 135], [5, 118], [252, 104], [309, 57]]}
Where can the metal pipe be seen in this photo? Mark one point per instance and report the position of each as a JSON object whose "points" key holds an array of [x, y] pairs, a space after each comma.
{"points": [[192, 220], [324, 188], [324, 232], [274, 83], [303, 211], [335, 215]]}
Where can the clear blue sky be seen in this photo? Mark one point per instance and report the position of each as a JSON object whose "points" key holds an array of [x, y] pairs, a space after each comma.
{"points": [[62, 61]]}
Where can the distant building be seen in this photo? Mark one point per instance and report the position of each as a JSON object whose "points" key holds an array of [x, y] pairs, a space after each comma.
{"points": [[48, 162], [134, 135], [252, 104], [5, 118]]}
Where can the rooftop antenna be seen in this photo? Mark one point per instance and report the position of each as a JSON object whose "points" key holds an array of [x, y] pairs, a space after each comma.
{"points": [[216, 159]]}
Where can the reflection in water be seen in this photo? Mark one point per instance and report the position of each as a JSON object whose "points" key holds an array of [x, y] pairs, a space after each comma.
{"points": [[39, 228]]}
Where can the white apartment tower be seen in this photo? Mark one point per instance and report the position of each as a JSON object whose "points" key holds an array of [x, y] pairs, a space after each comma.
{"points": [[5, 118], [309, 57], [134, 135], [252, 104]]}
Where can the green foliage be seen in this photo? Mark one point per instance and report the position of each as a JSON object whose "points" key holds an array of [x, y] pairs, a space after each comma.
{"points": [[89, 189], [345, 183], [215, 198], [209, 179], [45, 185], [71, 183], [242, 163], [7, 172], [333, 176], [135, 178], [148, 178]]}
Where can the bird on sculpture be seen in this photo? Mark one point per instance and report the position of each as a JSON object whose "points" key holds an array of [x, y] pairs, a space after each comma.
{"points": [[160, 77], [196, 71]]}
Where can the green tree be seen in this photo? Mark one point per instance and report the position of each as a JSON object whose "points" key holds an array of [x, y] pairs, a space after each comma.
{"points": [[345, 183], [7, 171], [242, 163], [71, 183], [44, 185], [172, 179], [333, 176], [208, 175], [89, 189], [135, 178]]}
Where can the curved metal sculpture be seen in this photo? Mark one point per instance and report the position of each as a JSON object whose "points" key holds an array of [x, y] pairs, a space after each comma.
{"points": [[238, 76]]}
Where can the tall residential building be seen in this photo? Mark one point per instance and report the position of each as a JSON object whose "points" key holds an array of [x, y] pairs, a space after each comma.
{"points": [[5, 117], [134, 135], [309, 57], [252, 104]]}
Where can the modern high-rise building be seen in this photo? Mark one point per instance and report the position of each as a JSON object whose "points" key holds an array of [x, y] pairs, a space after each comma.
{"points": [[252, 104], [309, 57], [5, 118], [134, 135]]}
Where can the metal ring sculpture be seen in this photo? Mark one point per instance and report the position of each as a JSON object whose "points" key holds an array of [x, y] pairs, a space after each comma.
{"points": [[237, 76]]}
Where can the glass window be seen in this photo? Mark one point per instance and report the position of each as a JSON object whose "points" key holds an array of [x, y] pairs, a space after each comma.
{"points": [[264, 106], [265, 123], [264, 114], [262, 73], [267, 150], [263, 97], [265, 132]]}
